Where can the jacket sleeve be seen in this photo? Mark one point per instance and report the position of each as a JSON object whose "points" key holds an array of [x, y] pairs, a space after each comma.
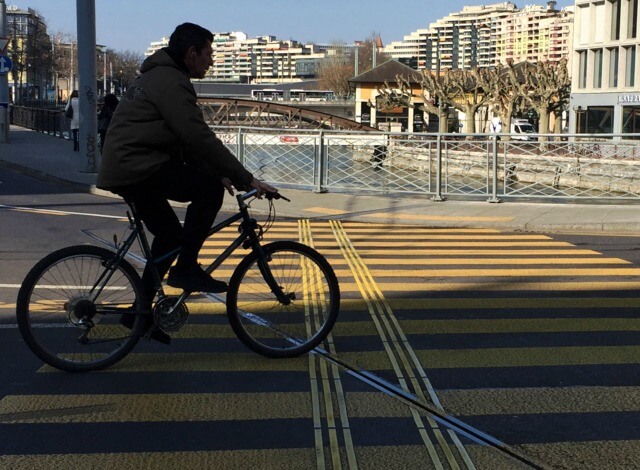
{"points": [[179, 108]]}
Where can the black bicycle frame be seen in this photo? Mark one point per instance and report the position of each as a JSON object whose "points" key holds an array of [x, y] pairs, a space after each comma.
{"points": [[248, 229]]}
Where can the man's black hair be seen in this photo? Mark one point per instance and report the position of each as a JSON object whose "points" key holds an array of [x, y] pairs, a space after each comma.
{"points": [[187, 35]]}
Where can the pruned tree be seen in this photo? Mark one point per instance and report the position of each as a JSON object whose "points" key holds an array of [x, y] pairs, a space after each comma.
{"points": [[437, 96], [458, 89], [468, 87], [394, 96], [501, 94], [543, 86]]}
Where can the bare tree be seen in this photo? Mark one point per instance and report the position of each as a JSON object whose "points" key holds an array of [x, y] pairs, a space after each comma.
{"points": [[334, 72], [336, 69], [394, 96], [469, 94], [439, 92], [126, 67], [369, 53], [502, 96], [544, 86]]}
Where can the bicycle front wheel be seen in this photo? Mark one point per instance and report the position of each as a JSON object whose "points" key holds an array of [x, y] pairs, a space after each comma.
{"points": [[76, 314], [306, 311]]}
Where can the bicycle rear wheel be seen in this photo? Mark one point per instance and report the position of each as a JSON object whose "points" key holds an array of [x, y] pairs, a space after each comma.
{"points": [[291, 328], [69, 323]]}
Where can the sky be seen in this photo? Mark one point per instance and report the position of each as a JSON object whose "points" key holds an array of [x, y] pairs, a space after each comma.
{"points": [[132, 25]]}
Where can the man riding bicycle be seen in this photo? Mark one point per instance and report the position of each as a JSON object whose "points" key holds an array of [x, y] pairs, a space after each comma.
{"points": [[159, 148]]}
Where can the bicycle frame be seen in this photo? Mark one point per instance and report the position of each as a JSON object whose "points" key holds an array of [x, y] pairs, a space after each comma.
{"points": [[248, 228]]}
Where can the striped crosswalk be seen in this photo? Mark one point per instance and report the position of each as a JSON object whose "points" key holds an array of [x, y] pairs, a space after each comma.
{"points": [[510, 333]]}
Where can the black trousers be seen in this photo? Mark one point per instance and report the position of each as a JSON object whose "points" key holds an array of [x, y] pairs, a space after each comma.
{"points": [[177, 182]]}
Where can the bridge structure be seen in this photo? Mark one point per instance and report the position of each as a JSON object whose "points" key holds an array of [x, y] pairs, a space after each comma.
{"points": [[255, 113]]}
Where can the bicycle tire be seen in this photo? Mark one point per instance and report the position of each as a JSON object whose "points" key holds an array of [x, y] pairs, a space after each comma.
{"points": [[54, 296], [266, 325]]}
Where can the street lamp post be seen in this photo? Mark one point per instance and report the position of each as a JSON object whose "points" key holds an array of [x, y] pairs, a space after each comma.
{"points": [[103, 49], [4, 82], [86, 20]]}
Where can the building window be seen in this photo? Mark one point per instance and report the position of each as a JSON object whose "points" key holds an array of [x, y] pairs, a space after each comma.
{"points": [[599, 120], [613, 67], [630, 76], [582, 69], [582, 24], [632, 19], [599, 15], [631, 120], [615, 20], [597, 68]]}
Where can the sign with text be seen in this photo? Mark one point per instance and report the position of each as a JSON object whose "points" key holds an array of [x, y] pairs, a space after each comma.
{"points": [[628, 99]]}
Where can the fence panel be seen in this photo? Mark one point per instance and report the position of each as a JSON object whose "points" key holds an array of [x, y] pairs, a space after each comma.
{"points": [[576, 169], [386, 163], [274, 156], [467, 166]]}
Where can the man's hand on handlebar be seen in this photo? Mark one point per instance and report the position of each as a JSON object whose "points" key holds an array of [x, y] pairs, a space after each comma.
{"points": [[261, 187]]}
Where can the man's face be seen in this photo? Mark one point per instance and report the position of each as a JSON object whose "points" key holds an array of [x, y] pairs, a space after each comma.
{"points": [[198, 64]]}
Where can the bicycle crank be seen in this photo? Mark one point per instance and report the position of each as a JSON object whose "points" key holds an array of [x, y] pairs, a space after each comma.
{"points": [[170, 317]]}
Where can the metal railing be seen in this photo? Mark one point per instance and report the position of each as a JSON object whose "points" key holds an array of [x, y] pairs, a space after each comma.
{"points": [[479, 166], [600, 167], [48, 120]]}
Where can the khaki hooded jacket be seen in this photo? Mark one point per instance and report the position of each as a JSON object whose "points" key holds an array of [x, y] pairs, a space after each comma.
{"points": [[158, 120]]}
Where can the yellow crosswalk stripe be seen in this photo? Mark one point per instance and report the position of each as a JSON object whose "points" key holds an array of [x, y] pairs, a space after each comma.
{"points": [[229, 459], [144, 407], [546, 400], [200, 362], [530, 356]]}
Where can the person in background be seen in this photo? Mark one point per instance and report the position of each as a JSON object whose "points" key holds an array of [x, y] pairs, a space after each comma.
{"points": [[105, 115], [72, 110]]}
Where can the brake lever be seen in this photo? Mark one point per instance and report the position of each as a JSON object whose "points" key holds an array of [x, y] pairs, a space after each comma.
{"points": [[276, 195]]}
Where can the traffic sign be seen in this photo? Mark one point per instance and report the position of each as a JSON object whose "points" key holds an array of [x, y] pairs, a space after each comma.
{"points": [[3, 44], [5, 64]]}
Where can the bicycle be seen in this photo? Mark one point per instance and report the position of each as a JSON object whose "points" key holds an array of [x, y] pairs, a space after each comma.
{"points": [[73, 306]]}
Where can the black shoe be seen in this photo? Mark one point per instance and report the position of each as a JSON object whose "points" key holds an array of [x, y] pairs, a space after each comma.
{"points": [[194, 279]]}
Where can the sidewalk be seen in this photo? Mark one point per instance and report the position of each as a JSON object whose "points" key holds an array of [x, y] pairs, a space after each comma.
{"points": [[52, 158]]}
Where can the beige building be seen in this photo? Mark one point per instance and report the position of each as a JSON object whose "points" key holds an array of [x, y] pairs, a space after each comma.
{"points": [[398, 119], [605, 97], [535, 34]]}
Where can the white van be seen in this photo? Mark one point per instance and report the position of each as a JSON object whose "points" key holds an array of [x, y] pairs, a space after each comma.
{"points": [[521, 129]]}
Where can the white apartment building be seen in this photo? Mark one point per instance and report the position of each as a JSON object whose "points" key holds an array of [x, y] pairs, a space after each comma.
{"points": [[264, 59], [605, 97], [483, 36], [411, 51]]}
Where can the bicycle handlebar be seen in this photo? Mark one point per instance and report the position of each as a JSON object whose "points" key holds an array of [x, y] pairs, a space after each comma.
{"points": [[269, 196]]}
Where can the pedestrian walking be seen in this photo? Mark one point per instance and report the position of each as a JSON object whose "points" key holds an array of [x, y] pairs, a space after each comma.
{"points": [[72, 111], [105, 115]]}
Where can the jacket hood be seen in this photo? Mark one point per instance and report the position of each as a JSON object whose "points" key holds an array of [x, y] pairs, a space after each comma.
{"points": [[162, 58]]}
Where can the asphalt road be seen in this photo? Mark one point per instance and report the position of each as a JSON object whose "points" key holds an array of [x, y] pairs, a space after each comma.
{"points": [[530, 340]]}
